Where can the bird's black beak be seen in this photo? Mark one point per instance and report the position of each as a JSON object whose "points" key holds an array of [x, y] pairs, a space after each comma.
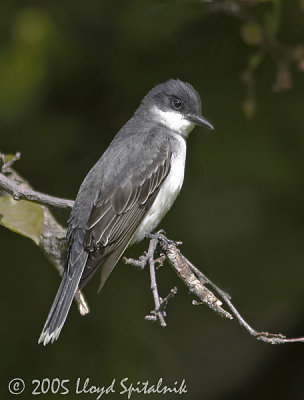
{"points": [[199, 120]]}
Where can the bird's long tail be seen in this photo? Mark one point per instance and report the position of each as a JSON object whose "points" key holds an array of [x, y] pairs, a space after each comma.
{"points": [[62, 303]]}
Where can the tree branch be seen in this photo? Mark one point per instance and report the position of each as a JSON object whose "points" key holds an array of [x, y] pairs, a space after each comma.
{"points": [[19, 192], [53, 244], [196, 282], [52, 239], [158, 313]]}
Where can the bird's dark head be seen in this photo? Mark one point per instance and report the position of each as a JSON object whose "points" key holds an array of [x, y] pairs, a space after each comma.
{"points": [[175, 104]]}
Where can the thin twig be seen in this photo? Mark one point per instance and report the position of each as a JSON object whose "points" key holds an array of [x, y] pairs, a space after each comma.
{"points": [[6, 165], [166, 300], [140, 263], [272, 338], [21, 193], [159, 314], [195, 280]]}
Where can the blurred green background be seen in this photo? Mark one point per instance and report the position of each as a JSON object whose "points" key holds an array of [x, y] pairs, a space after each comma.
{"points": [[71, 74]]}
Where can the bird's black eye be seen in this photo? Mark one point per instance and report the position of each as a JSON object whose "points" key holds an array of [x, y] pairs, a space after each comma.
{"points": [[177, 104]]}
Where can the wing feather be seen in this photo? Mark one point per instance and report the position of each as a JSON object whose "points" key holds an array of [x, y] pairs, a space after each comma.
{"points": [[97, 214], [116, 214]]}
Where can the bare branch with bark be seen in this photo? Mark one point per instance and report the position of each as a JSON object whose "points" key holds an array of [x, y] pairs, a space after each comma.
{"points": [[196, 282], [14, 187], [53, 244], [52, 239]]}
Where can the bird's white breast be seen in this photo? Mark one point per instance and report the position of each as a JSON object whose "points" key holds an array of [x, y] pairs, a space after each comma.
{"points": [[168, 192]]}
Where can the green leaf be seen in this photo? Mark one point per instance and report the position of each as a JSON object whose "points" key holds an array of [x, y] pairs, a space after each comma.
{"points": [[22, 217]]}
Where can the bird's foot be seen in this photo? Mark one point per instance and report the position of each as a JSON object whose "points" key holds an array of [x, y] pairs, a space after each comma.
{"points": [[160, 236]]}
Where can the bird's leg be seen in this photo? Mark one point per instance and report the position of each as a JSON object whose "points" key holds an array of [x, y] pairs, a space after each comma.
{"points": [[141, 262], [160, 236]]}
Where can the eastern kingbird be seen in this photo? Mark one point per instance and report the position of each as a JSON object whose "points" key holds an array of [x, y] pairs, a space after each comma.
{"points": [[128, 191]]}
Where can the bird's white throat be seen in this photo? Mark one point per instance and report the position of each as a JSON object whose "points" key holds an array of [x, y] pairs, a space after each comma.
{"points": [[173, 120]]}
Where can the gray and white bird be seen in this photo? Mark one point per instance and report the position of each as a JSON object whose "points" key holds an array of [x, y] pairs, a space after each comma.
{"points": [[128, 191]]}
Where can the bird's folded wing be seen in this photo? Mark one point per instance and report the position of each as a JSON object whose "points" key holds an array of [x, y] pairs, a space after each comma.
{"points": [[117, 213]]}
